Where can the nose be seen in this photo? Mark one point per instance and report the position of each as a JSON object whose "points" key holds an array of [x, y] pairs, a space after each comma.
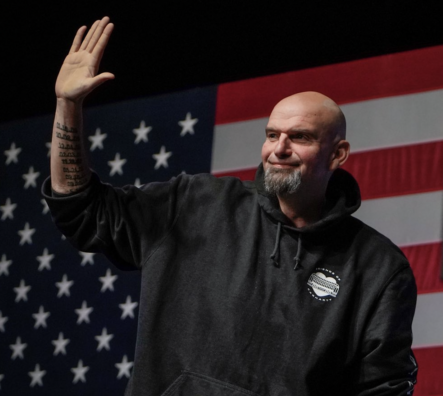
{"points": [[282, 148]]}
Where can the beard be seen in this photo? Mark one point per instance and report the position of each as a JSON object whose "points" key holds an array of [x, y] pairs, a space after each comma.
{"points": [[282, 181]]}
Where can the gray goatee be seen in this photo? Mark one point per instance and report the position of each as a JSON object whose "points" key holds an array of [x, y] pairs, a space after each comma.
{"points": [[282, 181]]}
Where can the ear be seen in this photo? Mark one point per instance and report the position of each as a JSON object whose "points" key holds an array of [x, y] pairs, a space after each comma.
{"points": [[339, 155]]}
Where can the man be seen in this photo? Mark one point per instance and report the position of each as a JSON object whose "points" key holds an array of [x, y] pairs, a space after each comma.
{"points": [[268, 287]]}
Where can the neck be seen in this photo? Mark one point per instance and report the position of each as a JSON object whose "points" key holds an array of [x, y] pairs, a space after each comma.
{"points": [[301, 210]]}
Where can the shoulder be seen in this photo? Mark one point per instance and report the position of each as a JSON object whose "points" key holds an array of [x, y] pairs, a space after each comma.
{"points": [[208, 183], [377, 249], [201, 189]]}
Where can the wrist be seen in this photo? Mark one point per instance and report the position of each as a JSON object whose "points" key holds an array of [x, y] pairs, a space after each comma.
{"points": [[69, 103]]}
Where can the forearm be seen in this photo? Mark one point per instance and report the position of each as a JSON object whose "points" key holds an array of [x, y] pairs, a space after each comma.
{"points": [[76, 79], [69, 168]]}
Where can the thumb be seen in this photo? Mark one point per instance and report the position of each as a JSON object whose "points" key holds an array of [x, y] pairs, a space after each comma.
{"points": [[100, 79]]}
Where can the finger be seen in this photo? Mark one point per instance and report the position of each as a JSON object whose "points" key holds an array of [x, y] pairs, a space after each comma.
{"points": [[89, 35], [97, 34], [77, 40], [103, 42]]}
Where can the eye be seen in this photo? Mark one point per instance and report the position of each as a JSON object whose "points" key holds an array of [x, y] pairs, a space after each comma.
{"points": [[271, 136], [299, 136]]}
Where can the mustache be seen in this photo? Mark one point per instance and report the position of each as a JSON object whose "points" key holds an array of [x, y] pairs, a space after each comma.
{"points": [[275, 163], [274, 171]]}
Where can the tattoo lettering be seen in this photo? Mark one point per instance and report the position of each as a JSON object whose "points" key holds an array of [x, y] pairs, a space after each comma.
{"points": [[74, 169], [71, 156], [67, 137], [66, 129], [72, 161], [68, 146], [74, 177]]}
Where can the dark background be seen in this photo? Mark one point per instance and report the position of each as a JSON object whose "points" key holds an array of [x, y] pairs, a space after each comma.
{"points": [[163, 46]]}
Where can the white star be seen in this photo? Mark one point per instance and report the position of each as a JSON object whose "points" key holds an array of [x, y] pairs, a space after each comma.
{"points": [[7, 209], [63, 286], [4, 264], [128, 308], [60, 344], [37, 376], [124, 367], [108, 281], [3, 320], [87, 258], [142, 132], [97, 139], [45, 206], [83, 313], [31, 178], [45, 260], [48, 146], [22, 291], [103, 340], [116, 165], [79, 372], [162, 158], [12, 154], [137, 183], [26, 234], [188, 124], [40, 318], [17, 349]]}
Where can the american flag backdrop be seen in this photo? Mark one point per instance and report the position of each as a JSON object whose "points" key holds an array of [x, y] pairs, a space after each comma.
{"points": [[68, 319]]}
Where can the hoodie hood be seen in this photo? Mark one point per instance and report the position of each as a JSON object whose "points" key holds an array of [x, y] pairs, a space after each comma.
{"points": [[342, 199]]}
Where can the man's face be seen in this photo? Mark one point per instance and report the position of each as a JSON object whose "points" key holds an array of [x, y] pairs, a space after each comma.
{"points": [[297, 141]]}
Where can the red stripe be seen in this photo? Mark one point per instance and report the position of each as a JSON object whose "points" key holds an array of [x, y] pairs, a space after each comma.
{"points": [[425, 261], [430, 369], [242, 174], [400, 170], [364, 79], [388, 172]]}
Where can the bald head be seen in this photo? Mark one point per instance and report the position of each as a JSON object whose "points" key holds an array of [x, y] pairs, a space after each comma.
{"points": [[306, 133], [317, 107]]}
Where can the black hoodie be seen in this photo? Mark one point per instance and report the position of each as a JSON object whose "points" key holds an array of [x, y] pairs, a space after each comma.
{"points": [[237, 301]]}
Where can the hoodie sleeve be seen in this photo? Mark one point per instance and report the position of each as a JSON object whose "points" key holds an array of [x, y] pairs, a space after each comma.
{"points": [[388, 366], [123, 223]]}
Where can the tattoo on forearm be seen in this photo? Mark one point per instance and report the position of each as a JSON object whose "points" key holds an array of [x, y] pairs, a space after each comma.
{"points": [[74, 169], [68, 146], [77, 161], [65, 136], [66, 129], [71, 156]]}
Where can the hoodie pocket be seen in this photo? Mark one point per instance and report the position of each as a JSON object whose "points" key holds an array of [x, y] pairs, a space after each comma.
{"points": [[193, 384]]}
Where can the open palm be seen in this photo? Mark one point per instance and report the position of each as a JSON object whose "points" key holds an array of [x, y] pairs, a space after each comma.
{"points": [[78, 74]]}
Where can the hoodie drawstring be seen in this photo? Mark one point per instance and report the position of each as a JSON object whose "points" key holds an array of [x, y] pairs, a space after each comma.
{"points": [[277, 245], [297, 256]]}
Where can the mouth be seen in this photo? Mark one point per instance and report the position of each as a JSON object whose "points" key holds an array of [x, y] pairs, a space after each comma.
{"points": [[283, 165]]}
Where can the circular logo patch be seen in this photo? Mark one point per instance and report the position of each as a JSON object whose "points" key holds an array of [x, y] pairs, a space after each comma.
{"points": [[323, 284]]}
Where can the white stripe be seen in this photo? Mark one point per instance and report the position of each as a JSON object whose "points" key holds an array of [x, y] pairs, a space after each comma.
{"points": [[395, 121], [238, 145], [372, 124], [405, 219], [427, 327]]}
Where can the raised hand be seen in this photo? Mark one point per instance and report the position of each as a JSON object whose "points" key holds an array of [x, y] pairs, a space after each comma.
{"points": [[78, 75]]}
